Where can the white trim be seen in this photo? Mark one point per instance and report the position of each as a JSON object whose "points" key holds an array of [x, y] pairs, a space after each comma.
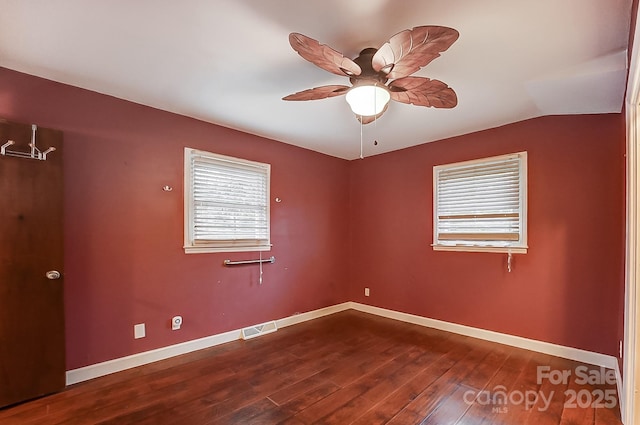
{"points": [[494, 249], [315, 314], [116, 365], [628, 396], [191, 246], [514, 341], [619, 387], [631, 270], [520, 246]]}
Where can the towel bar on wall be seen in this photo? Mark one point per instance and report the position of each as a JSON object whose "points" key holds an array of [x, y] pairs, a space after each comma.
{"points": [[271, 259]]}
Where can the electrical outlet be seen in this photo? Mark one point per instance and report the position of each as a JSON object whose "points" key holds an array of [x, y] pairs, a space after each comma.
{"points": [[366, 292], [139, 331], [176, 322]]}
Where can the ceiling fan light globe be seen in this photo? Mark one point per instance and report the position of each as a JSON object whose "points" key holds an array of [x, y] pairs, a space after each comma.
{"points": [[368, 100]]}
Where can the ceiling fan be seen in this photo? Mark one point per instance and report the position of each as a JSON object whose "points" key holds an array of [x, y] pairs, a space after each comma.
{"points": [[404, 53]]}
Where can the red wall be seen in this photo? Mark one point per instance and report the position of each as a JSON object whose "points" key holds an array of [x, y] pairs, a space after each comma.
{"points": [[124, 262], [565, 290]]}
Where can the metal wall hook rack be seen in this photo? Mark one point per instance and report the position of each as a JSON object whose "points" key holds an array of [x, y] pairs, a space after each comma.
{"points": [[271, 259], [35, 153]]}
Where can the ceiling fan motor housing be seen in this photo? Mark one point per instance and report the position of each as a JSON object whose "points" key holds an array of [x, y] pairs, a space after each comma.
{"points": [[368, 76]]}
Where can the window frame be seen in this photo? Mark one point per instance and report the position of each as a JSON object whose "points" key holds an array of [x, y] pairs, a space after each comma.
{"points": [[191, 245], [502, 246]]}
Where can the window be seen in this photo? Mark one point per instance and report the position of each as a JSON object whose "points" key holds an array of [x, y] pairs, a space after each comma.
{"points": [[226, 203], [481, 205]]}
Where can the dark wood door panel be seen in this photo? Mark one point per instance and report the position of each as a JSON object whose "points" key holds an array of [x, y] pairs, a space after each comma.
{"points": [[31, 243]]}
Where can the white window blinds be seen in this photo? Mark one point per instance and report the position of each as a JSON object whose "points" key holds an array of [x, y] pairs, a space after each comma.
{"points": [[481, 204], [227, 207]]}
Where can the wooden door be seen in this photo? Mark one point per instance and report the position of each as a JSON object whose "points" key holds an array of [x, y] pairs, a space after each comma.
{"points": [[32, 348]]}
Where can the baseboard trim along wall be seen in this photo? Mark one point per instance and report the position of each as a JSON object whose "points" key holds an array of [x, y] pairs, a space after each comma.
{"points": [[116, 365], [583, 356], [577, 354]]}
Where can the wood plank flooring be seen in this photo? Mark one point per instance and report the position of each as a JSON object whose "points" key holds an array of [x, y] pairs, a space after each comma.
{"points": [[347, 368]]}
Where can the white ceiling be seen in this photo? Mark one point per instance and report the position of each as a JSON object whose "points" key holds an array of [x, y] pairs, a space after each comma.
{"points": [[229, 61]]}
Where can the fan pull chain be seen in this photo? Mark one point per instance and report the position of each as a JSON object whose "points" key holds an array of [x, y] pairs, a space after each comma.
{"points": [[361, 125], [375, 102], [375, 108]]}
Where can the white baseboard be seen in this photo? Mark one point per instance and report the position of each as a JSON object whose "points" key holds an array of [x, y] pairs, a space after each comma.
{"points": [[621, 400], [123, 363], [310, 315], [576, 354], [116, 365]]}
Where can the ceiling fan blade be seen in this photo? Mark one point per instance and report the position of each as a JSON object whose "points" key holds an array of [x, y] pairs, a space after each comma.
{"points": [[318, 93], [323, 56], [371, 118], [410, 50], [422, 91]]}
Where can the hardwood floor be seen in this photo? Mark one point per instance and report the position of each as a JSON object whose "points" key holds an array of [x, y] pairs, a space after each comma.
{"points": [[347, 368]]}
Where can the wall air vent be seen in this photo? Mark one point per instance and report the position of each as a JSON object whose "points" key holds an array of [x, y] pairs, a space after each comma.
{"points": [[257, 330]]}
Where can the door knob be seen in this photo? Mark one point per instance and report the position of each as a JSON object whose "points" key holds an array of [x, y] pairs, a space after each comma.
{"points": [[53, 274]]}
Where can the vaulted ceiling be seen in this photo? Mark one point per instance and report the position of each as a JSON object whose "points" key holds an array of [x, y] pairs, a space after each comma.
{"points": [[229, 62]]}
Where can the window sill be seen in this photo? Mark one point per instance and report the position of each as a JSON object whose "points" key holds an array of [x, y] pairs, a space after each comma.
{"points": [[468, 248], [210, 249]]}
